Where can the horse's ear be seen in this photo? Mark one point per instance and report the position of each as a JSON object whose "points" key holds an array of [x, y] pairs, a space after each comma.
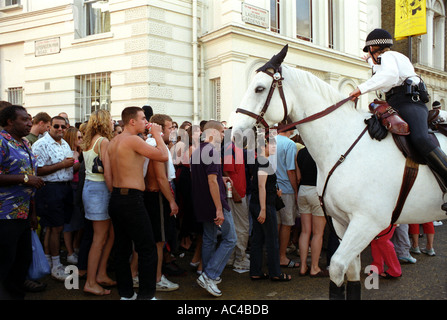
{"points": [[282, 54], [276, 61]]}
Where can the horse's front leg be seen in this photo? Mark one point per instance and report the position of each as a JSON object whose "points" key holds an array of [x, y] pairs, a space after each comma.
{"points": [[358, 235], [353, 286]]}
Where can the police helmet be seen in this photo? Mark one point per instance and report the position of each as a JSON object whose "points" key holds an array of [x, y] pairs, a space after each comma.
{"points": [[378, 37]]}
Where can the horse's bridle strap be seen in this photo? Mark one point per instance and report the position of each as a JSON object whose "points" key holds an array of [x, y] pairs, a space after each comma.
{"points": [[315, 116], [258, 118], [277, 83]]}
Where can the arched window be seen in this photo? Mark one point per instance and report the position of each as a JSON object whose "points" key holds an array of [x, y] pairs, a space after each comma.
{"points": [[432, 44]]}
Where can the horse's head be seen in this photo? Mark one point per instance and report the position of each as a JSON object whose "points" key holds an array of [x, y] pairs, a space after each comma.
{"points": [[264, 102]]}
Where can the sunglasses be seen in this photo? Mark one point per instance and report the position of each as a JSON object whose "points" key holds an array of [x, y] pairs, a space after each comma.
{"points": [[56, 126]]}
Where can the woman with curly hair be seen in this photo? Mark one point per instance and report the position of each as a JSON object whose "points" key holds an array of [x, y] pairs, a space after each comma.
{"points": [[95, 197]]}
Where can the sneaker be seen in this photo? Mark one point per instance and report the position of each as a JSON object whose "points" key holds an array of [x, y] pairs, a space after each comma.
{"points": [[134, 297], [58, 273], [437, 223], [408, 259], [242, 265], [415, 250], [166, 285], [209, 285], [73, 259], [429, 252]]}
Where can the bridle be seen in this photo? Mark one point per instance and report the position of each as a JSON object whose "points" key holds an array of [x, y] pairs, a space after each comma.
{"points": [[277, 83]]}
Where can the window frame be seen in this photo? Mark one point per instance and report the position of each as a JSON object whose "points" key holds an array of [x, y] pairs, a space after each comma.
{"points": [[276, 4], [89, 94]]}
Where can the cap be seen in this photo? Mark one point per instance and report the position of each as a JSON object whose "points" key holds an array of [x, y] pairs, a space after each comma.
{"points": [[436, 105], [378, 37]]}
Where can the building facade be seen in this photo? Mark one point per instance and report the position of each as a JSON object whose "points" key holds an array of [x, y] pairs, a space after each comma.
{"points": [[190, 59]]}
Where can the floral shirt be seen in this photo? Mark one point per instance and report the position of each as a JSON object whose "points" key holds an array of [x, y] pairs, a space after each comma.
{"points": [[15, 158]]}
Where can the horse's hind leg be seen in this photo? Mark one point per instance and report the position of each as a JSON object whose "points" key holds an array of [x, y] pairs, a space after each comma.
{"points": [[358, 235]]}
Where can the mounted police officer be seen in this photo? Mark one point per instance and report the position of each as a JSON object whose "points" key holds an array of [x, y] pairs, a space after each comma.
{"points": [[394, 75]]}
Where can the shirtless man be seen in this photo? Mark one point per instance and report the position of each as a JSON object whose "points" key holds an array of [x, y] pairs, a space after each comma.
{"points": [[124, 176]]}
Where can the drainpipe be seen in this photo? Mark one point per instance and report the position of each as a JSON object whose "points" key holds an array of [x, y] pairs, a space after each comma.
{"points": [[195, 64]]}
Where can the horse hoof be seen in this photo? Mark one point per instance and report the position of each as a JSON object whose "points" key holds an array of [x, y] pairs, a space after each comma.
{"points": [[336, 293], [353, 290]]}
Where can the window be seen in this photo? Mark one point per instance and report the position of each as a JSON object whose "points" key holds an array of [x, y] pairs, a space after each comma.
{"points": [[275, 15], [216, 99], [432, 44], [11, 2], [91, 17], [94, 94], [304, 19], [15, 96], [97, 17], [331, 24]]}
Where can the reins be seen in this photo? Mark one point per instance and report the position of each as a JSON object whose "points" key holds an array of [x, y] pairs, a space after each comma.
{"points": [[339, 162], [318, 115]]}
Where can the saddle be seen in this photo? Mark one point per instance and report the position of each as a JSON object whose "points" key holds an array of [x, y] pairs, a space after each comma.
{"points": [[400, 131]]}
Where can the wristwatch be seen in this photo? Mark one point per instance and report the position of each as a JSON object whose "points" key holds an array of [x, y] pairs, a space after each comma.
{"points": [[25, 179]]}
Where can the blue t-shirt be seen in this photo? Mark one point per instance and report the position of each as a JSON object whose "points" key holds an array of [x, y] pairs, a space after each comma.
{"points": [[284, 160], [206, 160], [15, 158]]}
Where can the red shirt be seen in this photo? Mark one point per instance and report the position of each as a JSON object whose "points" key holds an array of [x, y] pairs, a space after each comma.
{"points": [[235, 167]]}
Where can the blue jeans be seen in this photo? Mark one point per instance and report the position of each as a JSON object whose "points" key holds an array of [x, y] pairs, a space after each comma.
{"points": [[264, 234], [215, 259]]}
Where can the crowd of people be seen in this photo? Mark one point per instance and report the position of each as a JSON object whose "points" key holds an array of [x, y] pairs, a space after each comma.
{"points": [[135, 191]]}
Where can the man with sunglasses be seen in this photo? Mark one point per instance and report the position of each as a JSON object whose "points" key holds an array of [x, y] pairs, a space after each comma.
{"points": [[54, 201]]}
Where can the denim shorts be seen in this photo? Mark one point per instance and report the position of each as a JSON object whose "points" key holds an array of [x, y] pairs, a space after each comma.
{"points": [[95, 197]]}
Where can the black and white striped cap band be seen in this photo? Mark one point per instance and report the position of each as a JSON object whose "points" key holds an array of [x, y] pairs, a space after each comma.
{"points": [[378, 42]]}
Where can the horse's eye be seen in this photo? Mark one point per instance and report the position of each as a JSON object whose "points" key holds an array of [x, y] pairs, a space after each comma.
{"points": [[259, 89]]}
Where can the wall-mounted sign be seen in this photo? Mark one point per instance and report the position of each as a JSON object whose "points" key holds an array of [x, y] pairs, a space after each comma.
{"points": [[47, 46], [254, 15]]}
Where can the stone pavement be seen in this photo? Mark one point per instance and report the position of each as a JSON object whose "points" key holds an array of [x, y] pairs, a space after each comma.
{"points": [[425, 280]]}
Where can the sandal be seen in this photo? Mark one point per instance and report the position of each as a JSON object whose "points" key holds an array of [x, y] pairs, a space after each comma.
{"points": [[34, 286], [305, 273], [282, 277], [386, 275], [320, 274], [290, 264], [261, 277]]}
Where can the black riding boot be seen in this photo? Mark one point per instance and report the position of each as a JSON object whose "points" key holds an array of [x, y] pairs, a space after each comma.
{"points": [[437, 160]]}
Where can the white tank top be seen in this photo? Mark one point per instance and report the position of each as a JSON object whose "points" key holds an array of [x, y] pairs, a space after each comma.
{"points": [[89, 156]]}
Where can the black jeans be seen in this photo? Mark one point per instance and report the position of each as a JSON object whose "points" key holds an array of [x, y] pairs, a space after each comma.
{"points": [[416, 115], [264, 234], [15, 257], [131, 224]]}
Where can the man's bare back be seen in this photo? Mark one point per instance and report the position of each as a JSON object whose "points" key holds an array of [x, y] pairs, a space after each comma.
{"points": [[126, 154]]}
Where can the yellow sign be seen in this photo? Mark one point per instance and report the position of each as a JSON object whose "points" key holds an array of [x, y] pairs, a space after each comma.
{"points": [[410, 18]]}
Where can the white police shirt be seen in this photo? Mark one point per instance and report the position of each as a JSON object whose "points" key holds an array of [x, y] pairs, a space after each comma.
{"points": [[49, 152], [391, 72]]}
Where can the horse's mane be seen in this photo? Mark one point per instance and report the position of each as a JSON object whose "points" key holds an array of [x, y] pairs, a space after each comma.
{"points": [[316, 85]]}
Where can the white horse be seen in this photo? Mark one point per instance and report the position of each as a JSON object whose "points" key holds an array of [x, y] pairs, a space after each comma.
{"points": [[363, 190]]}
